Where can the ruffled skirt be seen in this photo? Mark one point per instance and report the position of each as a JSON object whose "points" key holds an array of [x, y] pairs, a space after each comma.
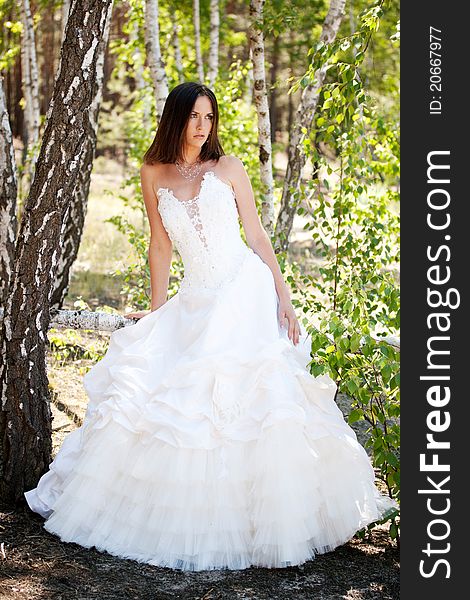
{"points": [[207, 444]]}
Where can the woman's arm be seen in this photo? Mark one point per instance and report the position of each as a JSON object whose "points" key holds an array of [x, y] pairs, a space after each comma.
{"points": [[160, 246], [259, 241]]}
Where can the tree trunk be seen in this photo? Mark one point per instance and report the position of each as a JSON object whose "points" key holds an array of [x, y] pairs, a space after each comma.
{"points": [[8, 192], [305, 113], [175, 40], [75, 221], [154, 55], [214, 42], [140, 83], [25, 417], [197, 41], [262, 108], [273, 111], [30, 90], [85, 319], [65, 16]]}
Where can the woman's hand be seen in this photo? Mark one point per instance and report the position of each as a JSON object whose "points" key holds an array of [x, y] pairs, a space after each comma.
{"points": [[288, 319], [137, 315]]}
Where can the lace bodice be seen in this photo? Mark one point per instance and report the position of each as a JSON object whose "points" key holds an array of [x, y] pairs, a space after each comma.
{"points": [[206, 233]]}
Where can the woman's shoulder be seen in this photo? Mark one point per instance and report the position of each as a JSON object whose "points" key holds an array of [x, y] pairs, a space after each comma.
{"points": [[150, 168], [153, 173], [230, 161], [229, 168], [231, 165]]}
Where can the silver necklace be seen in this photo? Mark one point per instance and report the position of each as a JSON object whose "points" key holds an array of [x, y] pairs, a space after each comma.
{"points": [[187, 171]]}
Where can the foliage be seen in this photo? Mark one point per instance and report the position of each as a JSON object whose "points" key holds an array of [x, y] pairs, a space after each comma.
{"points": [[10, 35], [351, 210], [67, 345]]}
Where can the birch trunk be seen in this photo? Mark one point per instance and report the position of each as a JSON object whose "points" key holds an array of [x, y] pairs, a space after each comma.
{"points": [[303, 119], [260, 97], [73, 231], [25, 416], [175, 40], [197, 41], [29, 68], [65, 16], [154, 55], [8, 194], [140, 82], [273, 110], [213, 62]]}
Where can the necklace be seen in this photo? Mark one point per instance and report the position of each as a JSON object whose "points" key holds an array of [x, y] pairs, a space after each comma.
{"points": [[187, 171]]}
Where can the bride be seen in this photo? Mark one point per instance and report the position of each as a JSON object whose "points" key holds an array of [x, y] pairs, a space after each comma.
{"points": [[206, 442]]}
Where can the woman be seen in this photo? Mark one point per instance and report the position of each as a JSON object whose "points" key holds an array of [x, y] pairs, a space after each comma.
{"points": [[206, 443]]}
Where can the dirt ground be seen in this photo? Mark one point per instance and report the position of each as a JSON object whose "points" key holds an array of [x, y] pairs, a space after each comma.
{"points": [[35, 564]]}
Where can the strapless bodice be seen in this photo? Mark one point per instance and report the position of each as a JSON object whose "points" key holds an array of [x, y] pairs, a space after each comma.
{"points": [[206, 233]]}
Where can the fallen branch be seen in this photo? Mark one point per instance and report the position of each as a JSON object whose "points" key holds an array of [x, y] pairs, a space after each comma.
{"points": [[85, 319]]}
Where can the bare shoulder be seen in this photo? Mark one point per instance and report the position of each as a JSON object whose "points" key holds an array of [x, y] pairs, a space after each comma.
{"points": [[149, 172], [154, 175], [231, 163], [231, 169]]}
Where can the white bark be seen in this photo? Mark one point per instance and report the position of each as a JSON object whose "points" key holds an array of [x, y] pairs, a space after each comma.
{"points": [[85, 319], [29, 68], [303, 119], [65, 15], [262, 108], [248, 96], [8, 193], [213, 62], [197, 41], [140, 82], [175, 40], [154, 55]]}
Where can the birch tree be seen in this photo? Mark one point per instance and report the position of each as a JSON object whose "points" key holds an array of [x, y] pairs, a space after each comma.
{"points": [[138, 69], [175, 40], [25, 416], [213, 62], [75, 220], [303, 119], [197, 41], [154, 55], [260, 98], [8, 194], [65, 15], [30, 80]]}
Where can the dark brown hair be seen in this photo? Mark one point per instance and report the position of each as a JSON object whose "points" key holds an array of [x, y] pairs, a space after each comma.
{"points": [[167, 145]]}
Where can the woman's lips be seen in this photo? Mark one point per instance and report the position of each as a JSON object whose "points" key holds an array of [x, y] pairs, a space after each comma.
{"points": [[199, 136]]}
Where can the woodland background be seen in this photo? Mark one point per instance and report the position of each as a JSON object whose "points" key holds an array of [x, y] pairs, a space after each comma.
{"points": [[309, 100]]}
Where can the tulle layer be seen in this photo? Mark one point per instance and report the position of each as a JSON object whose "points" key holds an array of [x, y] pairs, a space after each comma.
{"points": [[208, 445]]}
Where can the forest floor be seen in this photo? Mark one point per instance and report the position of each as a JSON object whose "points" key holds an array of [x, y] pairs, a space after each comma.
{"points": [[36, 565]]}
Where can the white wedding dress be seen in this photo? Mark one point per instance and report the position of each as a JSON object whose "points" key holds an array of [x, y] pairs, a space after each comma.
{"points": [[206, 442]]}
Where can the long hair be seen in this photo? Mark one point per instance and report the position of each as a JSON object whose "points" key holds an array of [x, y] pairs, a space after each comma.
{"points": [[167, 145]]}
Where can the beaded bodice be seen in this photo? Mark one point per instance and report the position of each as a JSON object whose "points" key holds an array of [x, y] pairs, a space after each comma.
{"points": [[206, 233]]}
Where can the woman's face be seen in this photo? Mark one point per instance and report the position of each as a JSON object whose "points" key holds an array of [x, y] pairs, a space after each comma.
{"points": [[199, 122]]}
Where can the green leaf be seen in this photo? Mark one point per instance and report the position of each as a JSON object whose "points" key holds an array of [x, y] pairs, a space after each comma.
{"points": [[355, 415], [355, 342]]}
